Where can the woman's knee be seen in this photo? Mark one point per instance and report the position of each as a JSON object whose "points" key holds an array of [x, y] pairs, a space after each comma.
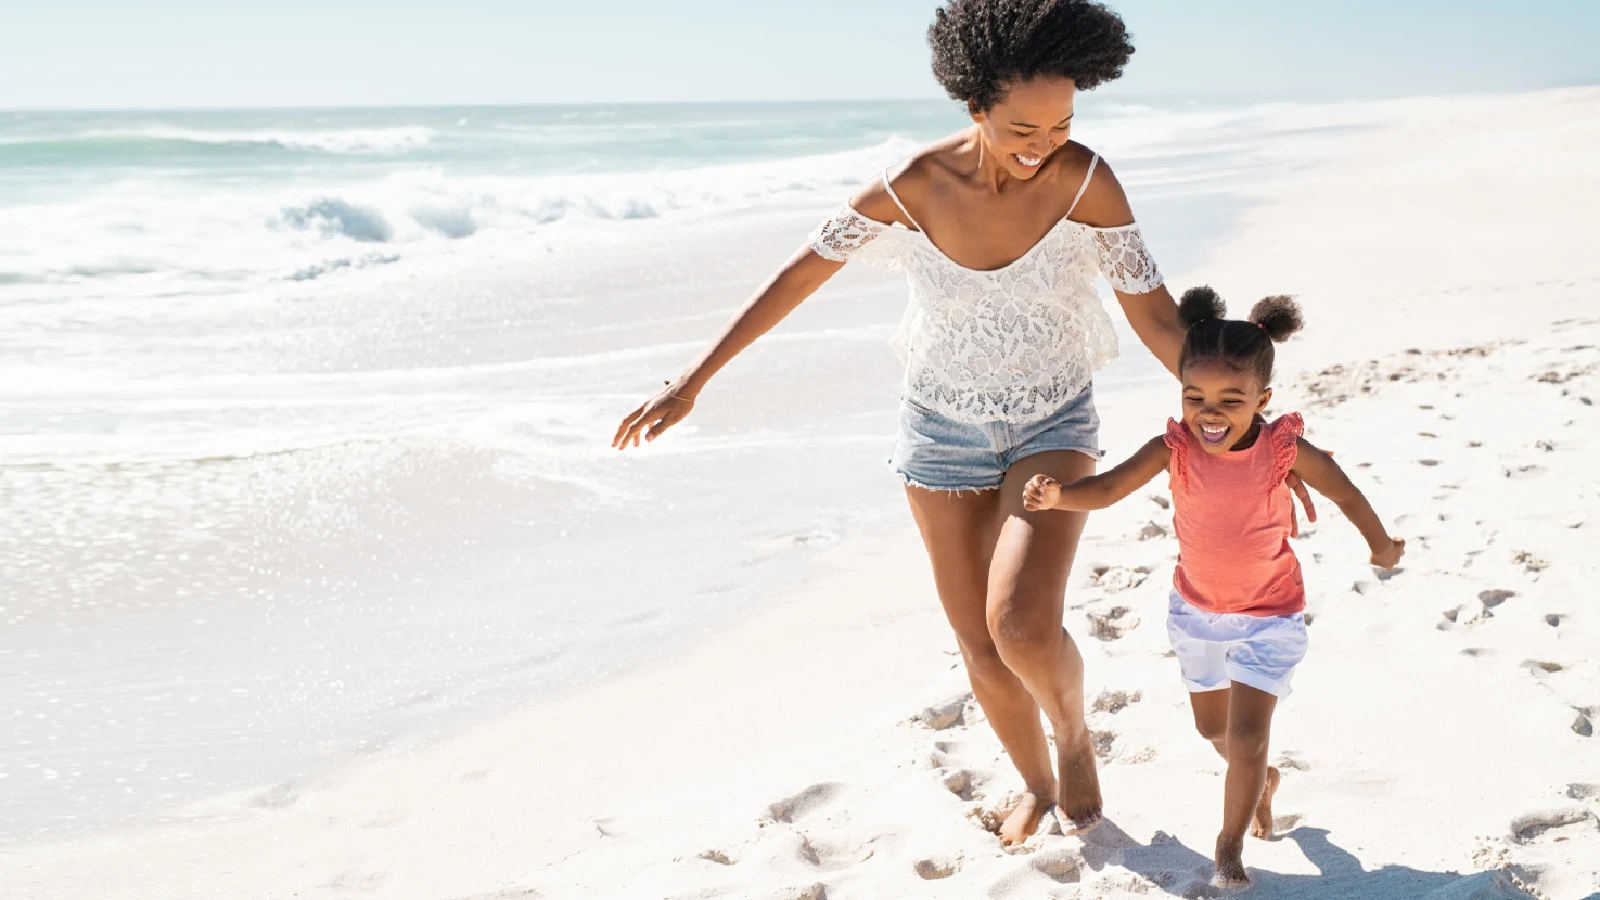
{"points": [[1026, 641], [983, 660]]}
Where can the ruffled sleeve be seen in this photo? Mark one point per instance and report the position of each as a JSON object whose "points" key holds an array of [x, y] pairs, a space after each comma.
{"points": [[1177, 439], [1285, 437], [1125, 261], [847, 235]]}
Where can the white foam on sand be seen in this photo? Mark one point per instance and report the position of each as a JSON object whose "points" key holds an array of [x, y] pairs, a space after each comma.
{"points": [[1440, 742]]}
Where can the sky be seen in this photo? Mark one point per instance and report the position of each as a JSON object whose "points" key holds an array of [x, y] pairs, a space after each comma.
{"points": [[230, 53]]}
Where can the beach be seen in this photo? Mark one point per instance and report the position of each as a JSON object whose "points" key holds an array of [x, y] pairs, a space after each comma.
{"points": [[496, 661]]}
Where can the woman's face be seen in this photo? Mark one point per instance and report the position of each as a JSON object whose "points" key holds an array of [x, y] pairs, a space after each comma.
{"points": [[1028, 124]]}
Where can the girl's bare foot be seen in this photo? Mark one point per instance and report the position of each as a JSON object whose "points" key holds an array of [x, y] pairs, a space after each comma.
{"points": [[1261, 826], [1079, 785], [1023, 818], [1230, 865]]}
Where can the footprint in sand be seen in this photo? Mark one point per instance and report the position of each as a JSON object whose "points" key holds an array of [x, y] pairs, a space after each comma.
{"points": [[935, 869], [960, 782], [1494, 598], [1583, 725], [1467, 615], [1290, 760], [1151, 531], [804, 803], [946, 715], [1530, 563], [1581, 791], [828, 855], [1115, 579], [1115, 701], [716, 856], [1112, 624], [1531, 826]]}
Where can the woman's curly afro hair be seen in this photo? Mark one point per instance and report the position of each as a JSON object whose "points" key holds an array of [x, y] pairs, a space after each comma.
{"points": [[981, 47]]}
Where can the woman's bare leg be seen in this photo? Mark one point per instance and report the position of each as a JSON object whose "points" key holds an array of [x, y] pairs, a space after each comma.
{"points": [[1027, 586], [959, 531]]}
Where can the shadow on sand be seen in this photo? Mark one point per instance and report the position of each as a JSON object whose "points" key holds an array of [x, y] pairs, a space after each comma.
{"points": [[1182, 872]]}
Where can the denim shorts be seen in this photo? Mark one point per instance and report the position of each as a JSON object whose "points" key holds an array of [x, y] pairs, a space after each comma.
{"points": [[937, 453]]}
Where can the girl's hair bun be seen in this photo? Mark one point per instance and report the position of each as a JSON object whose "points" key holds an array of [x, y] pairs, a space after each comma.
{"points": [[1199, 304], [1279, 316]]}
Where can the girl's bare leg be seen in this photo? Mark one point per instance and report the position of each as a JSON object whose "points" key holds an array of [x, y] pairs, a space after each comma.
{"points": [[1249, 728], [1211, 720]]}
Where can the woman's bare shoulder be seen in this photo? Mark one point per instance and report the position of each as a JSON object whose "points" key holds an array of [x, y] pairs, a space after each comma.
{"points": [[913, 180], [1103, 204]]}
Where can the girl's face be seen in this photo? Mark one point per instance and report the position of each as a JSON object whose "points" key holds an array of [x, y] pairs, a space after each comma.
{"points": [[1220, 403], [1028, 125]]}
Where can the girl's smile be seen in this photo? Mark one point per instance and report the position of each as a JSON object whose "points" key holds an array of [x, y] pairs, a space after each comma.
{"points": [[1221, 405]]}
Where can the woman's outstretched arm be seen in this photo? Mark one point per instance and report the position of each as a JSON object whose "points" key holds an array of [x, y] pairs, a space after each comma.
{"points": [[795, 280]]}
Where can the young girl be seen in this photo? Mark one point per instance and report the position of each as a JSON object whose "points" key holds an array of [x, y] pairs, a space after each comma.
{"points": [[1234, 616]]}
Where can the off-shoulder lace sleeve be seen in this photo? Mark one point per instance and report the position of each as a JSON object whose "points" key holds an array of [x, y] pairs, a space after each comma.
{"points": [[1286, 432], [1177, 439], [848, 235], [1125, 261]]}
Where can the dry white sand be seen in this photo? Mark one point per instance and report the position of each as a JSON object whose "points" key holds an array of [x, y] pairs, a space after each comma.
{"points": [[1439, 743]]}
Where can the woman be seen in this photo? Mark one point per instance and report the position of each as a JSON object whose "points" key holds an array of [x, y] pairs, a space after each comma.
{"points": [[1000, 229]]}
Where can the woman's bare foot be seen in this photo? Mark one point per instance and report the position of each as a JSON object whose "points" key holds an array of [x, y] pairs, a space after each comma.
{"points": [[1261, 826], [1078, 795], [1230, 865], [1022, 820]]}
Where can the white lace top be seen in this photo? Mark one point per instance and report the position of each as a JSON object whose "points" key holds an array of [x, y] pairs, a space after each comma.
{"points": [[1012, 344]]}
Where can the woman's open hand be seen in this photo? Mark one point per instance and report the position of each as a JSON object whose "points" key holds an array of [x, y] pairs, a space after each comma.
{"points": [[654, 417]]}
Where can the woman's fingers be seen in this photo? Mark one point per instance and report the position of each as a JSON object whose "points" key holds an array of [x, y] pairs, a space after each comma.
{"points": [[1299, 488], [669, 419], [649, 421], [620, 439]]}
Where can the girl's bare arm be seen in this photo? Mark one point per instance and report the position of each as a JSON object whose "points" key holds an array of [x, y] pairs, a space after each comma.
{"points": [[1101, 490], [1324, 475]]}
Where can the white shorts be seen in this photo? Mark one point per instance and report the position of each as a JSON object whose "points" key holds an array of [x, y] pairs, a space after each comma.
{"points": [[1216, 648]]}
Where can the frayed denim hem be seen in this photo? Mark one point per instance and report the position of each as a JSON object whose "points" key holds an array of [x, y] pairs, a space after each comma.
{"points": [[958, 491]]}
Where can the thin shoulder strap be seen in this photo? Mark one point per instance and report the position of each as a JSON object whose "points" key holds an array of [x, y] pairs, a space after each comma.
{"points": [[1093, 161], [896, 198]]}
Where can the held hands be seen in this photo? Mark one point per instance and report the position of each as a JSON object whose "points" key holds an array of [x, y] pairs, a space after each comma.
{"points": [[650, 420], [1389, 556], [1299, 488], [1041, 492]]}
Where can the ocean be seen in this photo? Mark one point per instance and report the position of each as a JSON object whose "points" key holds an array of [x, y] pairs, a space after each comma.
{"points": [[305, 413]]}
